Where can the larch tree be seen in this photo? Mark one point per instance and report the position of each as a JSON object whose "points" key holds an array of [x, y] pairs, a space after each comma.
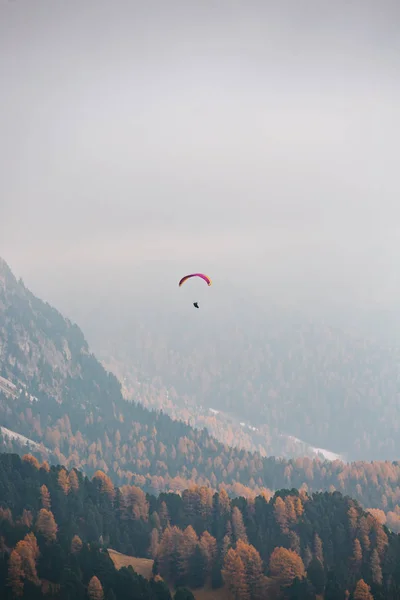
{"points": [[378, 514], [318, 548], [15, 574], [76, 544], [223, 503], [165, 552], [63, 481], [26, 518], [381, 539], [298, 506], [364, 531], [105, 484], [234, 575], [376, 568], [285, 565], [239, 529], [353, 518], [73, 480], [280, 513], [133, 503], [154, 543], [208, 545], [290, 509], [253, 566], [46, 525], [29, 552], [95, 589], [186, 549], [362, 591], [357, 555], [226, 544], [45, 497]]}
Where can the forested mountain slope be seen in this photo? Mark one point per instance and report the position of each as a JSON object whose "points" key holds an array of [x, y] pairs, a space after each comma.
{"points": [[282, 372], [292, 546], [66, 403]]}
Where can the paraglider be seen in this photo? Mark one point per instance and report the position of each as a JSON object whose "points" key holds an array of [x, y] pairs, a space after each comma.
{"points": [[186, 277], [206, 279]]}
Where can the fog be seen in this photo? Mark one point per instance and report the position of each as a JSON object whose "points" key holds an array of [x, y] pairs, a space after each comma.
{"points": [[255, 141]]}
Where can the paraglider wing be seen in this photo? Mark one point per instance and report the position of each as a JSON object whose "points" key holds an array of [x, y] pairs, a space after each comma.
{"points": [[206, 279]]}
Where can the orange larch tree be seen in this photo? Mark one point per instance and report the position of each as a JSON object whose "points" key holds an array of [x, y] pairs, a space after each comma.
{"points": [[15, 574], [239, 529], [45, 497], [95, 589], [46, 525], [234, 575], [285, 565]]}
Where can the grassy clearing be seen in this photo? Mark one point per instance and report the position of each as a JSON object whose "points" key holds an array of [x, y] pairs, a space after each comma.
{"points": [[144, 567]]}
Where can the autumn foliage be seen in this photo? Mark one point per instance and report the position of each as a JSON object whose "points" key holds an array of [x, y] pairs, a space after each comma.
{"points": [[95, 589], [277, 547], [46, 525], [285, 565]]}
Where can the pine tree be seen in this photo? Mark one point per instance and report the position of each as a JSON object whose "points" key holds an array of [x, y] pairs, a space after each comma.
{"points": [[316, 574], [183, 593], [197, 568], [30, 459]]}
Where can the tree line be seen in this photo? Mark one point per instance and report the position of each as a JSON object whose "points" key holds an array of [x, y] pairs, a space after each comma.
{"points": [[56, 525]]}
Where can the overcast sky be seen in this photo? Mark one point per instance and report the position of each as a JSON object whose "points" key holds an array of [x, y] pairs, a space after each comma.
{"points": [[244, 139]]}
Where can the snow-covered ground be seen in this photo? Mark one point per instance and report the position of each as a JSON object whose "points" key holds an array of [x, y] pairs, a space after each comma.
{"points": [[19, 438], [327, 454]]}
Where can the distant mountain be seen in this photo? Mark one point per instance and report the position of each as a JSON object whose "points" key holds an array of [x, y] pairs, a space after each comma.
{"points": [[57, 527], [59, 403], [291, 376]]}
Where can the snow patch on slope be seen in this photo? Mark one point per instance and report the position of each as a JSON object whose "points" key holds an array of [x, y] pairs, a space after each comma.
{"points": [[20, 438]]}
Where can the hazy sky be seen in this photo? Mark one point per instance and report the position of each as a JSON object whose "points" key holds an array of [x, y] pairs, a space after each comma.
{"points": [[248, 139]]}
